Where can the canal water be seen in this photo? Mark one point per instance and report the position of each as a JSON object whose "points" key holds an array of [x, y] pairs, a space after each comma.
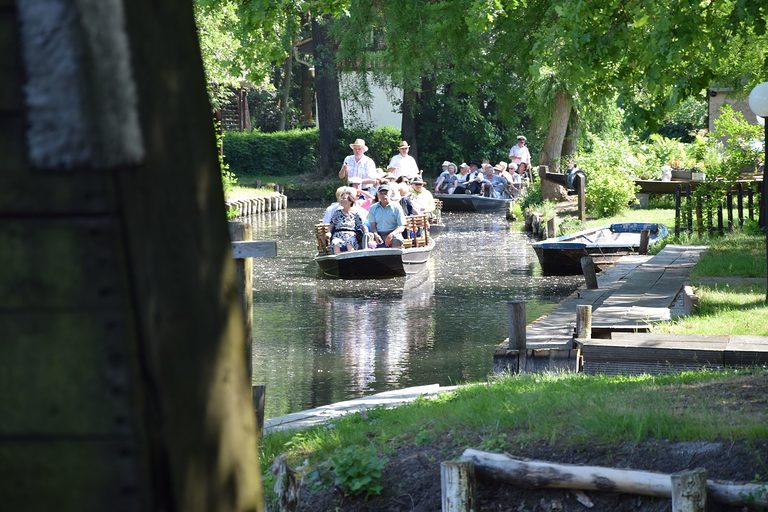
{"points": [[318, 341]]}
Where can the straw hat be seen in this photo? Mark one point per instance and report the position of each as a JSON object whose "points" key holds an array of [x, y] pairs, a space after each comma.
{"points": [[403, 144], [359, 143]]}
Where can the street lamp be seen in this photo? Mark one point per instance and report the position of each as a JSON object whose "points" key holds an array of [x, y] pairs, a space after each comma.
{"points": [[758, 102]]}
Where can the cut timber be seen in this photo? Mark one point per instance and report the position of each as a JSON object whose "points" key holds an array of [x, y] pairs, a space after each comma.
{"points": [[689, 491], [457, 482], [533, 473]]}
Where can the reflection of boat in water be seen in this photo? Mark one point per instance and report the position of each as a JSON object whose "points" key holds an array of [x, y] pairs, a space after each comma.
{"points": [[473, 203], [562, 255], [381, 262]]}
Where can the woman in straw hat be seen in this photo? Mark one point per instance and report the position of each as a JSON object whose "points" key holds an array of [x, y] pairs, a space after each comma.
{"points": [[358, 165]]}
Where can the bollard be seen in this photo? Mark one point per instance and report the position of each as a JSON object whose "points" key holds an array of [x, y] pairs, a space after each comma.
{"points": [[584, 321], [242, 231], [590, 275], [517, 341], [644, 235]]}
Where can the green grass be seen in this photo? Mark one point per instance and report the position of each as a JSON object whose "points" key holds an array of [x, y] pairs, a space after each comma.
{"points": [[737, 254], [562, 409]]}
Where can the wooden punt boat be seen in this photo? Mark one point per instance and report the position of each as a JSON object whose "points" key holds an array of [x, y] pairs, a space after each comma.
{"points": [[562, 255], [377, 263], [472, 203]]}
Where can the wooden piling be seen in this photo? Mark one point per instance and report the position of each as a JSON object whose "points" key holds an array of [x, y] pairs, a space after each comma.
{"points": [[590, 274], [584, 321], [644, 236], [581, 189], [552, 227], [259, 401], [242, 231], [457, 484], [689, 491]]}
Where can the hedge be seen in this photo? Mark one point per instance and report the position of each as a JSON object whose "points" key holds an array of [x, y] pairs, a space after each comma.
{"points": [[295, 151]]}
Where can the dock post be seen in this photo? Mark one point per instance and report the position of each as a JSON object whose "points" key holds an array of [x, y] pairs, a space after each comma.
{"points": [[517, 341], [689, 491], [581, 186], [259, 400], [644, 235], [242, 231], [584, 321], [552, 227], [590, 275]]}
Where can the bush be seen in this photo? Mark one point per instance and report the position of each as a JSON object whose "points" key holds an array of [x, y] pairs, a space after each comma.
{"points": [[358, 470], [610, 188], [294, 152]]}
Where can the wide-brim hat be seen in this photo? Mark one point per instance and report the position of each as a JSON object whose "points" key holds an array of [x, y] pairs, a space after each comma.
{"points": [[445, 164], [403, 144], [501, 166], [464, 165], [521, 137], [416, 180], [359, 143], [475, 163]]}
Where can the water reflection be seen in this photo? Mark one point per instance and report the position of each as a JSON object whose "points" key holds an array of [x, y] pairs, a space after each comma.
{"points": [[317, 341]]}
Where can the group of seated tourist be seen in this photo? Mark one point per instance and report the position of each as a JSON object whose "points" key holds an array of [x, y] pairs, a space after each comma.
{"points": [[380, 210], [503, 181]]}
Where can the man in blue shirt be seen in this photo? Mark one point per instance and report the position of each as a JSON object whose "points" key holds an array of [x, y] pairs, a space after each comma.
{"points": [[387, 220]]}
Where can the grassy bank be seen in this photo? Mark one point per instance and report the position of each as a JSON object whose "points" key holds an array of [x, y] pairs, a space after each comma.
{"points": [[564, 410]]}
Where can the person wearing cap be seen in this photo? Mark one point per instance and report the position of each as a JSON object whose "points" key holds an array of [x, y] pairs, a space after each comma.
{"points": [[403, 165], [358, 165], [422, 199], [499, 182], [519, 152], [387, 220], [446, 182], [462, 179]]}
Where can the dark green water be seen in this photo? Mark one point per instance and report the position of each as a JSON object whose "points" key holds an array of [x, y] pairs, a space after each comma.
{"points": [[317, 341]]}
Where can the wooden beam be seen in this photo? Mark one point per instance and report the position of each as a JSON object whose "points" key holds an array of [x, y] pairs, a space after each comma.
{"points": [[254, 249]]}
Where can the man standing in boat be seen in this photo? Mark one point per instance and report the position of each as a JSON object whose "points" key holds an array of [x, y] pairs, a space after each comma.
{"points": [[358, 165], [519, 154], [403, 164], [387, 220]]}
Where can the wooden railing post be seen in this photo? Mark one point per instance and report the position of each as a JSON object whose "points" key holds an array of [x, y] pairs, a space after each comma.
{"points": [[644, 237], [517, 341], [581, 189], [590, 274], [243, 232], [689, 491], [584, 321], [457, 483]]}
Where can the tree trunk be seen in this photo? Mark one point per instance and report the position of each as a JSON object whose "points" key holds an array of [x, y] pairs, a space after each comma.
{"points": [[285, 100], [408, 125], [571, 136], [553, 145], [329, 115]]}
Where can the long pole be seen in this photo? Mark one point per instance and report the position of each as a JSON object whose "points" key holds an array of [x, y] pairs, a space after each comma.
{"points": [[765, 200]]}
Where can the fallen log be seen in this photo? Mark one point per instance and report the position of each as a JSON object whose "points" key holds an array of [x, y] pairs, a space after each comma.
{"points": [[534, 473]]}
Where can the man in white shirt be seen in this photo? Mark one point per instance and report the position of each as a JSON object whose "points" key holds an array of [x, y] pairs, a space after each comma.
{"points": [[357, 165], [519, 152], [403, 164]]}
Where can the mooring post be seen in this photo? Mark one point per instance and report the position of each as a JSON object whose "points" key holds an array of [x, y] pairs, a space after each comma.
{"points": [[259, 400], [590, 274], [584, 321], [689, 491], [457, 483], [644, 236], [243, 232], [552, 227], [516, 317], [581, 189]]}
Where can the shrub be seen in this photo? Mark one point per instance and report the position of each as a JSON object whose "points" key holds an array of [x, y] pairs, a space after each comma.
{"points": [[358, 470], [610, 188]]}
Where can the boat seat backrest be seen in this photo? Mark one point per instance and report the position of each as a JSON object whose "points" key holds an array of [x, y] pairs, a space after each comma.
{"points": [[635, 227], [323, 238], [416, 230]]}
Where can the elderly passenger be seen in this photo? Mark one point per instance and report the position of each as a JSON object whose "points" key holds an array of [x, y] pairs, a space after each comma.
{"points": [[346, 224], [387, 220]]}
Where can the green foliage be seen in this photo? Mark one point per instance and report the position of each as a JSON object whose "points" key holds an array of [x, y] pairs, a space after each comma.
{"points": [[533, 196], [608, 166], [358, 470], [741, 145], [276, 154], [685, 119]]}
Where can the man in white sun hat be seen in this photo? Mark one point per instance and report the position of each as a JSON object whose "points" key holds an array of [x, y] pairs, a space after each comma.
{"points": [[403, 164], [358, 165], [519, 152]]}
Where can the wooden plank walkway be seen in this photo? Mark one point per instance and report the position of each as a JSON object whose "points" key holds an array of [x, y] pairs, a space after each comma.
{"points": [[648, 294], [635, 353], [631, 294]]}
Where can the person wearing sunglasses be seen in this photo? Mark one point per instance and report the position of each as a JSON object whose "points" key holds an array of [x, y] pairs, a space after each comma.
{"points": [[519, 152]]}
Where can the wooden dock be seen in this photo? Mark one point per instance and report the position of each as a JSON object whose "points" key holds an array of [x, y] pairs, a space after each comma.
{"points": [[635, 353]]}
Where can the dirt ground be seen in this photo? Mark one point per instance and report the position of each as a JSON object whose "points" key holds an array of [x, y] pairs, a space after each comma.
{"points": [[411, 478]]}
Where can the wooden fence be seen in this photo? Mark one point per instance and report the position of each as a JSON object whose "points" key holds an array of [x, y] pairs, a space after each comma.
{"points": [[739, 203]]}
